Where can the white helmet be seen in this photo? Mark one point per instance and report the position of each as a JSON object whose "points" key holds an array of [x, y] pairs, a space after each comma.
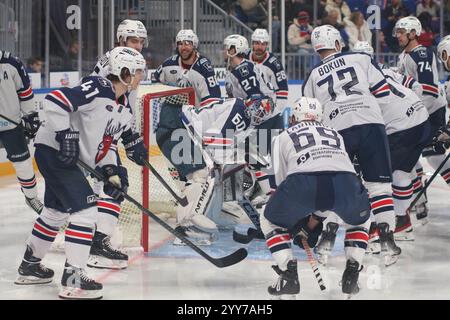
{"points": [[259, 108], [124, 57], [443, 50], [325, 37], [260, 35], [187, 35], [307, 109], [239, 42], [408, 23], [363, 46], [131, 28]]}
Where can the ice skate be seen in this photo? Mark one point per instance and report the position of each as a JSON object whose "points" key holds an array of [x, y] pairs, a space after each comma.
{"points": [[350, 277], [326, 243], [31, 271], [76, 284], [287, 286], [104, 256], [195, 235], [389, 249], [374, 246], [403, 228]]}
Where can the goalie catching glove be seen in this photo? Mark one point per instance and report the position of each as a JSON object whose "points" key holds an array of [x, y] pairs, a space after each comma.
{"points": [[134, 147], [117, 176]]}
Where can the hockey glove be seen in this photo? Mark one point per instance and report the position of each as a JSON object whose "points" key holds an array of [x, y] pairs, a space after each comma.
{"points": [[134, 146], [117, 177], [31, 124], [302, 231], [69, 150], [441, 141]]}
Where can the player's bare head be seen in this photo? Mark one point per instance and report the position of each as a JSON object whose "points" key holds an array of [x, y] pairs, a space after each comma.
{"points": [[259, 108], [443, 50], [187, 43], [407, 30], [260, 42], [364, 47], [306, 109], [132, 34], [127, 67], [326, 40], [235, 45]]}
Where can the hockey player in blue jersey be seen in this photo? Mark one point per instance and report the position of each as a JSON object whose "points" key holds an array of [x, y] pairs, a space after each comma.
{"points": [[348, 85], [131, 34], [314, 177], [420, 63], [17, 103], [79, 123]]}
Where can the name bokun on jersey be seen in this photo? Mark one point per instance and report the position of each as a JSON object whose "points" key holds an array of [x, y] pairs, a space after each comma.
{"points": [[16, 94], [246, 80], [91, 109], [309, 147], [223, 126], [347, 85], [201, 76], [272, 71], [421, 64], [402, 109]]}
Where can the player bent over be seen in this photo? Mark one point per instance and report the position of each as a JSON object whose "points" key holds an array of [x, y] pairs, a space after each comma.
{"points": [[314, 176], [17, 104], [78, 123]]}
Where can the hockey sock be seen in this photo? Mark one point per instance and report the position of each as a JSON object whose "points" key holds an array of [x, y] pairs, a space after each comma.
{"points": [[26, 177], [383, 209], [108, 215], [355, 242], [279, 243], [45, 230], [402, 191], [79, 236]]}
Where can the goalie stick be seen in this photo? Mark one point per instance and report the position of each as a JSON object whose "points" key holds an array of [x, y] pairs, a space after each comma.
{"points": [[226, 261]]}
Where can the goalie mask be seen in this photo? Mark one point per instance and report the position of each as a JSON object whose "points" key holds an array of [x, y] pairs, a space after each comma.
{"points": [[443, 50], [131, 28], [307, 109], [364, 47], [126, 58], [259, 108]]}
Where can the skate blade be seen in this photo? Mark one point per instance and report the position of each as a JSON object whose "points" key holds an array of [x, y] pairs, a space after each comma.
{"points": [[422, 222], [404, 236], [104, 263], [80, 294], [389, 260], [30, 280], [284, 297], [202, 242]]}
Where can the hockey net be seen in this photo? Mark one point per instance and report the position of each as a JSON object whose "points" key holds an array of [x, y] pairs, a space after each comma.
{"points": [[144, 187]]}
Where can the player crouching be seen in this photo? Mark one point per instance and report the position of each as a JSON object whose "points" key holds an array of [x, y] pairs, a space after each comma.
{"points": [[314, 175]]}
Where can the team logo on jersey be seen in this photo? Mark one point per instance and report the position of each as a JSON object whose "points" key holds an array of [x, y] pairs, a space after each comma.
{"points": [[303, 158], [108, 137], [244, 71], [91, 199], [173, 71], [334, 113], [103, 82], [110, 108], [422, 53]]}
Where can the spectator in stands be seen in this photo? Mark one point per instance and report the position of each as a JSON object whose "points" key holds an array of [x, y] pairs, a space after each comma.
{"points": [[393, 12], [299, 35], [427, 36], [34, 65], [357, 29], [332, 19], [428, 6], [341, 7], [251, 13]]}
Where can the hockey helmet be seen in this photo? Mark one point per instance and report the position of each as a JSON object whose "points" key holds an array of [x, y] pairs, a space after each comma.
{"points": [[260, 35], [443, 50], [325, 37], [307, 109], [239, 43], [364, 47], [131, 28], [187, 35], [408, 24], [124, 57], [259, 108]]}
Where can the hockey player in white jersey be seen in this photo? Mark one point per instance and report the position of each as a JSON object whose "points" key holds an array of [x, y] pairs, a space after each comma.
{"points": [[271, 68], [220, 129], [79, 123], [131, 34], [314, 176], [444, 55], [348, 85], [17, 103], [420, 63]]}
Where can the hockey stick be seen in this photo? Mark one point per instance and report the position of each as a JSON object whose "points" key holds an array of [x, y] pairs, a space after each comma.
{"points": [[413, 203], [312, 262], [253, 215], [226, 261]]}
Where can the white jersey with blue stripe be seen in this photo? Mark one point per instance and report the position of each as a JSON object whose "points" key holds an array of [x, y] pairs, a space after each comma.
{"points": [[200, 75], [273, 73], [16, 94], [347, 85], [222, 126], [421, 64], [90, 109], [309, 147]]}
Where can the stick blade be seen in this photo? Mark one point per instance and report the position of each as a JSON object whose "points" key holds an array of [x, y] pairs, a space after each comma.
{"points": [[242, 238], [231, 259]]}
